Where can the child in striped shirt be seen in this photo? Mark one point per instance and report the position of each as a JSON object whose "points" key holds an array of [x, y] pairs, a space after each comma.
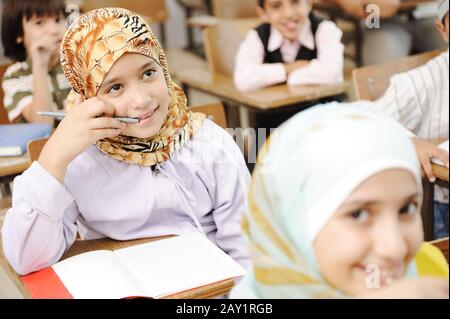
{"points": [[31, 35], [418, 99]]}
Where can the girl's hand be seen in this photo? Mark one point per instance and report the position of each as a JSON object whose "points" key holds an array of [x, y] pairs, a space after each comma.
{"points": [[425, 151], [413, 288], [43, 49], [81, 128]]}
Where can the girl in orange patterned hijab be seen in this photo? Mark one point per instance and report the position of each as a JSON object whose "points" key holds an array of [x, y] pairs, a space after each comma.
{"points": [[174, 172], [96, 42]]}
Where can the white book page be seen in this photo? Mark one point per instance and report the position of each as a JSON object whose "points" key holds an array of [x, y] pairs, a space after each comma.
{"points": [[444, 146], [177, 264], [96, 275]]}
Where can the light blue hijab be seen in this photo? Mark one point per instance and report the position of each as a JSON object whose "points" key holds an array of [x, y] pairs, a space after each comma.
{"points": [[310, 165]]}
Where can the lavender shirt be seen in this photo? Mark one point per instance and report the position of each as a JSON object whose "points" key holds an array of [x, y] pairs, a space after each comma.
{"points": [[202, 187]]}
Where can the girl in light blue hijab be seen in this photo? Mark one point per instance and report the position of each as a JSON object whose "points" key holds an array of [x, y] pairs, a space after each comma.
{"points": [[334, 212]]}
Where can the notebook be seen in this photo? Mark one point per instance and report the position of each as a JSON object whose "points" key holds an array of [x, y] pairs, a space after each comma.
{"points": [[155, 270], [443, 146], [14, 137]]}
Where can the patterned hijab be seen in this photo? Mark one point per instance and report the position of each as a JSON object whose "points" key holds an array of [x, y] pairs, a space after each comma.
{"points": [[307, 169], [90, 48]]}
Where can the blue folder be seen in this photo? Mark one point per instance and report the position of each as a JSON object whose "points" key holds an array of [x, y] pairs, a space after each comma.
{"points": [[14, 137]]}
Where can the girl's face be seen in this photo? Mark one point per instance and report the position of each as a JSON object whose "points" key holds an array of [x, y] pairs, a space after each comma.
{"points": [[287, 16], [136, 87], [372, 237], [39, 27]]}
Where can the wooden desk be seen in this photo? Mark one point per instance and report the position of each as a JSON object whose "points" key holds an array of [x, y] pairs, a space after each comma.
{"points": [[9, 168], [442, 244], [271, 98], [13, 165], [405, 5], [441, 172], [334, 11], [82, 246]]}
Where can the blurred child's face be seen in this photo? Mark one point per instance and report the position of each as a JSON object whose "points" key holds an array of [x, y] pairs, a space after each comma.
{"points": [[443, 27], [287, 16], [136, 87], [373, 235], [39, 27]]}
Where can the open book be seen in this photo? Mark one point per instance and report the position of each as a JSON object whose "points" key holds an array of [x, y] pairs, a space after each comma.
{"points": [[444, 146], [156, 269]]}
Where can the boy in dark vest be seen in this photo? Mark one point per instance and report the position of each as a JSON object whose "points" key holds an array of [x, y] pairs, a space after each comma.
{"points": [[292, 45]]}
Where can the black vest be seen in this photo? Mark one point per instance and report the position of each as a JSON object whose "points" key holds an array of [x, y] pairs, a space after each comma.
{"points": [[303, 54]]}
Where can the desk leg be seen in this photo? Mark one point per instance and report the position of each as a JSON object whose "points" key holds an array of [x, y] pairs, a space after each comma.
{"points": [[162, 29], [232, 114], [428, 209], [5, 190], [359, 42]]}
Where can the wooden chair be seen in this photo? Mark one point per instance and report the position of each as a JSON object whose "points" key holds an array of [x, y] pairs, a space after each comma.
{"points": [[442, 244], [3, 114], [154, 11], [222, 41], [215, 112], [371, 82], [234, 9], [34, 148]]}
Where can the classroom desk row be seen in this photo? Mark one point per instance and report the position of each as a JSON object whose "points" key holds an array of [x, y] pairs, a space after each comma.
{"points": [[82, 246], [9, 168], [278, 98]]}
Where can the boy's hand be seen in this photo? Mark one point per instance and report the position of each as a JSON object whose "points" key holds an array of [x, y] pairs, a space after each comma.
{"points": [[43, 49], [354, 8], [413, 288], [291, 67], [81, 128], [425, 151]]}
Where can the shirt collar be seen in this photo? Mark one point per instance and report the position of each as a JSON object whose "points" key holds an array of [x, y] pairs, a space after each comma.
{"points": [[305, 37]]}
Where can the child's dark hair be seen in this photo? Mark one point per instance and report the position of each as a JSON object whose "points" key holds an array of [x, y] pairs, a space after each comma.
{"points": [[261, 3], [12, 28]]}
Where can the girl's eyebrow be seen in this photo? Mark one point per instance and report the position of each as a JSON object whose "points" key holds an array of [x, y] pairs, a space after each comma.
{"points": [[362, 202], [148, 64], [117, 79]]}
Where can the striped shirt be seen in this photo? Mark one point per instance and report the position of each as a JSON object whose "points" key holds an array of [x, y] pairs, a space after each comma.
{"points": [[17, 85], [418, 99]]}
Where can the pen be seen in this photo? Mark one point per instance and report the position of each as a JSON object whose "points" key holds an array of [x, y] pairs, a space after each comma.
{"points": [[62, 114]]}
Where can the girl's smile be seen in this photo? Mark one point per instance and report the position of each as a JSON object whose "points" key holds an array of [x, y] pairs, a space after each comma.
{"points": [[147, 117]]}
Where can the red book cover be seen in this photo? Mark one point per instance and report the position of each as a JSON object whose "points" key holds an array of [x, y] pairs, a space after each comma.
{"points": [[45, 284]]}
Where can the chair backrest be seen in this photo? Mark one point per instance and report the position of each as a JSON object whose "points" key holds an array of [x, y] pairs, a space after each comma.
{"points": [[155, 10], [442, 244], [222, 41], [3, 114], [234, 9], [215, 112], [34, 148], [371, 82]]}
